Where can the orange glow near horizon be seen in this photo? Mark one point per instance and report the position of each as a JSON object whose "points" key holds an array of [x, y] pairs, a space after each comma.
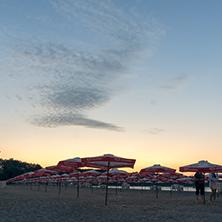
{"points": [[46, 146]]}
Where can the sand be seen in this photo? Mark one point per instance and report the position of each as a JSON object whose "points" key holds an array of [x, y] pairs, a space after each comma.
{"points": [[20, 204]]}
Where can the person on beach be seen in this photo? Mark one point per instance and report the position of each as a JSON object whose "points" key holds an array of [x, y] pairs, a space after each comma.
{"points": [[199, 184], [213, 184]]}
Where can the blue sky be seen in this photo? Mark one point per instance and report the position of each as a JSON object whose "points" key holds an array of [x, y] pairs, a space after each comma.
{"points": [[138, 79]]}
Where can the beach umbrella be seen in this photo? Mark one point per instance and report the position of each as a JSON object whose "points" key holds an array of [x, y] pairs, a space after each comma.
{"points": [[59, 169], [118, 176], [184, 179], [93, 174], [107, 162], [28, 175], [170, 177], [74, 163], [74, 173], [137, 175], [43, 172], [55, 168], [116, 172], [131, 179], [156, 169], [202, 166], [101, 179]]}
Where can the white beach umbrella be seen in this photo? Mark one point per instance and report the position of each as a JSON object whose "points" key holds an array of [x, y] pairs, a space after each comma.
{"points": [[201, 166]]}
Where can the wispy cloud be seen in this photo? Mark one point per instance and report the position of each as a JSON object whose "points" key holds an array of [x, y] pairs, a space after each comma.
{"points": [[67, 81], [154, 131], [174, 83]]}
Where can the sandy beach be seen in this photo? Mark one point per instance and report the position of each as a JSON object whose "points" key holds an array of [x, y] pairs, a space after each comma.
{"points": [[20, 204]]}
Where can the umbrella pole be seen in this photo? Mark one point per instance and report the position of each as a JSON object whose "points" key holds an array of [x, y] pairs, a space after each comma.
{"points": [[204, 188], [107, 179], [157, 186], [78, 185], [116, 184], [39, 185], [92, 184], [170, 189], [46, 187], [217, 191], [60, 185]]}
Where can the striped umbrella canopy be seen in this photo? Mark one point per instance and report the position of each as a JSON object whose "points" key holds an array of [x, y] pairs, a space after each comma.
{"points": [[202, 166], [116, 172], [107, 162], [156, 168], [91, 173], [74, 162], [61, 168], [44, 172]]}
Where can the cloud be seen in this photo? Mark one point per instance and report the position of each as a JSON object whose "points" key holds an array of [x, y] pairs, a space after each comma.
{"points": [[64, 80], [175, 83], [154, 131], [68, 119]]}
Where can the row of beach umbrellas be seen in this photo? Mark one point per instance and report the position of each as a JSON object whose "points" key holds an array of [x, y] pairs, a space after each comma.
{"points": [[110, 162], [96, 177]]}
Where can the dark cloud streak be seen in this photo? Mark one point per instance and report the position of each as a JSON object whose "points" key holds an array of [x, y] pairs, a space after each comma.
{"points": [[69, 119]]}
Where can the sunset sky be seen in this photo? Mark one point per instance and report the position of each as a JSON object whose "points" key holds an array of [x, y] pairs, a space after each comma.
{"points": [[139, 79]]}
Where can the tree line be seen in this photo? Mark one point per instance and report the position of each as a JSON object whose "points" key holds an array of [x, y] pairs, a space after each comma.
{"points": [[12, 168]]}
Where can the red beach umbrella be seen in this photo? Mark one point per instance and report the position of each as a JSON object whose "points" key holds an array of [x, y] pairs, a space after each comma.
{"points": [[61, 168], [44, 172], [74, 163], [29, 174], [55, 168], [201, 166], [156, 169], [184, 179], [91, 173], [107, 162], [116, 172], [74, 173]]}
